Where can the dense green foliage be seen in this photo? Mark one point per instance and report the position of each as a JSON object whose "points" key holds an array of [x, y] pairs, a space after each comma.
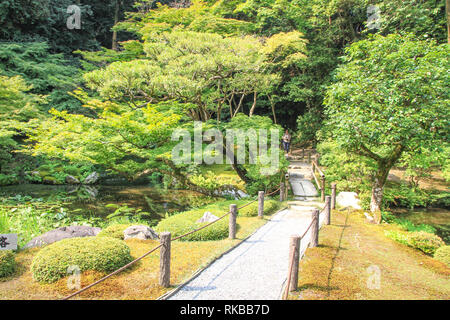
{"points": [[91, 253], [390, 99], [7, 263]]}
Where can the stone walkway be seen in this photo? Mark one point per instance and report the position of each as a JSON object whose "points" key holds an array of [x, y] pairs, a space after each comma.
{"points": [[257, 268]]}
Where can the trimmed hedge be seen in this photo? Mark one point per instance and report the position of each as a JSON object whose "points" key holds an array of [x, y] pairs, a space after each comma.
{"points": [[421, 240], [114, 231], [270, 206], [442, 254], [424, 241], [102, 254], [186, 221], [7, 263]]}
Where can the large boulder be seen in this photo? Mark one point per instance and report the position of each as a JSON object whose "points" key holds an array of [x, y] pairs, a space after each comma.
{"points": [[139, 232], [348, 199], [62, 233], [207, 217], [72, 180], [92, 178]]}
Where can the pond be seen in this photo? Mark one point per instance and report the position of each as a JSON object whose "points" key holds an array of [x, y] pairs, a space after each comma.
{"points": [[92, 201], [439, 218]]}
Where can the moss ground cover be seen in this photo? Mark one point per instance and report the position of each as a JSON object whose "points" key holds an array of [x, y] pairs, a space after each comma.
{"points": [[140, 281], [348, 252]]}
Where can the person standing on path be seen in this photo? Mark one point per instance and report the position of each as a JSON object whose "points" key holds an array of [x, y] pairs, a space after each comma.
{"points": [[286, 141]]}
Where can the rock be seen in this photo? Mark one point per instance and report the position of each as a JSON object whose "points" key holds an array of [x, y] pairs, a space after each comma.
{"points": [[348, 199], [92, 178], [140, 232], [207, 217], [49, 180], [369, 217], [72, 180], [393, 177], [92, 191], [62, 233]]}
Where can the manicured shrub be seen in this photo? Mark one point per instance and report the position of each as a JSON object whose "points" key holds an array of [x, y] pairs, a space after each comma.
{"points": [[424, 241], [443, 254], [186, 221], [7, 263], [270, 206], [114, 231], [102, 254]]}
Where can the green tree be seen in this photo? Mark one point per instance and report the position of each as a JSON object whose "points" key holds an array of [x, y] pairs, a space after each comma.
{"points": [[390, 98]]}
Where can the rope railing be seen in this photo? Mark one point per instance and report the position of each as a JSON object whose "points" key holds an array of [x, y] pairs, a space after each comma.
{"points": [[158, 247]]}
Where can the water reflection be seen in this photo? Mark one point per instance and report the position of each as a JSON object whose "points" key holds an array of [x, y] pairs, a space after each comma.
{"points": [[92, 200]]}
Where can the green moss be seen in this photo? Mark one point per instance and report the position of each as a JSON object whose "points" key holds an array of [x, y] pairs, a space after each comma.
{"points": [[7, 263], [270, 206], [102, 254], [114, 231], [443, 254]]}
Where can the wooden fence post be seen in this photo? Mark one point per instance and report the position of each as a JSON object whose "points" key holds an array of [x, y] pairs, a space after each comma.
{"points": [[282, 191], [327, 210], [260, 204], [294, 254], [287, 186], [164, 259], [333, 196], [232, 225], [322, 191], [315, 229]]}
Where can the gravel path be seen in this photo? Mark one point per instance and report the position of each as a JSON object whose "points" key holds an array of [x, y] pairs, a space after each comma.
{"points": [[257, 268]]}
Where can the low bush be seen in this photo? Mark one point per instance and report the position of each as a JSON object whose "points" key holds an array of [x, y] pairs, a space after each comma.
{"points": [[424, 241], [443, 254], [102, 254], [114, 231], [7, 263], [186, 221], [270, 206]]}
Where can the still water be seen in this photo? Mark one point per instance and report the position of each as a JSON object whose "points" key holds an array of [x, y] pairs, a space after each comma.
{"points": [[93, 200]]}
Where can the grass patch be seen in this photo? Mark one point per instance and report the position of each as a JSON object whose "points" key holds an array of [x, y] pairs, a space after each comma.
{"points": [[348, 252]]}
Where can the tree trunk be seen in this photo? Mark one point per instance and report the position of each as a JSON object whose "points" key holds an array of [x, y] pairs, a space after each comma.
{"points": [[252, 109], [447, 11], [377, 191], [116, 20]]}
